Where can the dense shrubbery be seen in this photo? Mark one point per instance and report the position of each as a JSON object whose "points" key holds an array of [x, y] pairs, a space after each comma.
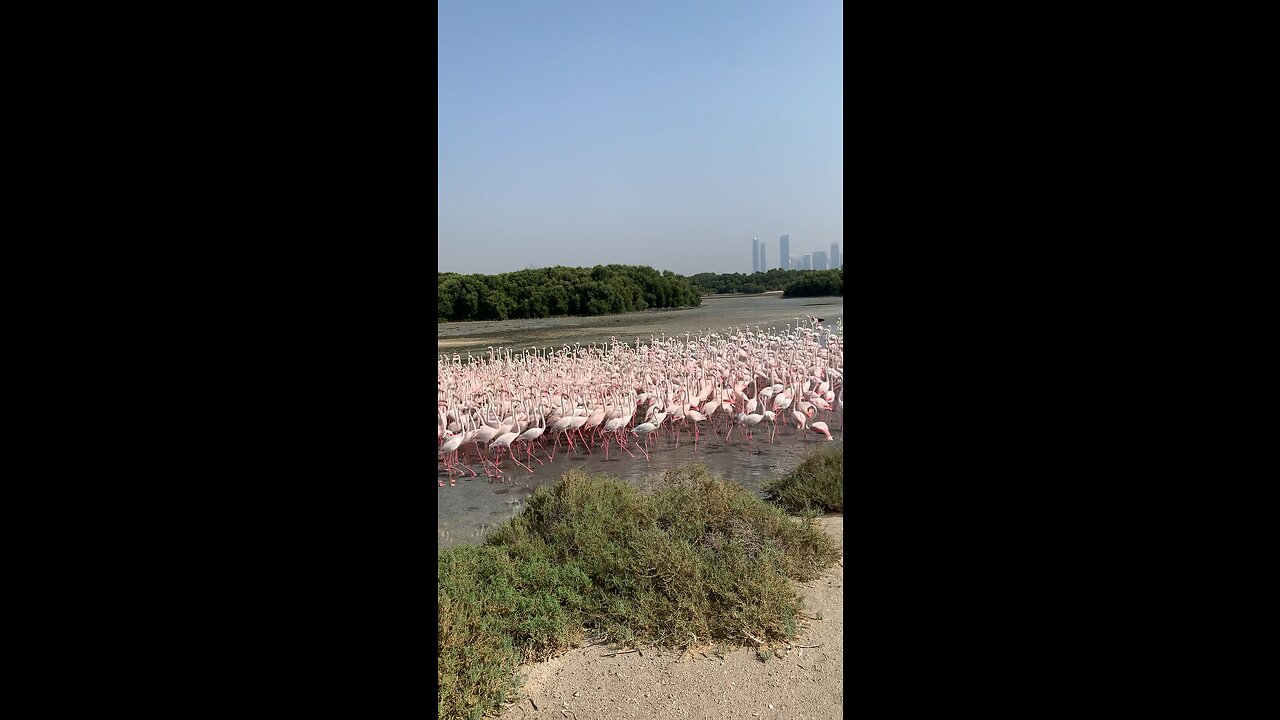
{"points": [[817, 282], [545, 292], [690, 560], [816, 485]]}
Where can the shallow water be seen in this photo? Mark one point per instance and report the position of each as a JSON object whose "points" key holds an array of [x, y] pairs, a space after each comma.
{"points": [[475, 505], [469, 510]]}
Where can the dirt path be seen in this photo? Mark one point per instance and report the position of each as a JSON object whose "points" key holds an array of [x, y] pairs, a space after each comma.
{"points": [[804, 683]]}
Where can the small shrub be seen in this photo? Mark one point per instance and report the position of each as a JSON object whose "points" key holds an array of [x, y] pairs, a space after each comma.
{"points": [[815, 486], [687, 559]]}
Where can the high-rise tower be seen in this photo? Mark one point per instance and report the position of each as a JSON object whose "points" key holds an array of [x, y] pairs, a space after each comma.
{"points": [[835, 255], [819, 260], [784, 252], [755, 255]]}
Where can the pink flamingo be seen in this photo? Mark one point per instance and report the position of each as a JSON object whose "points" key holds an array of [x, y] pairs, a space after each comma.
{"points": [[446, 449], [612, 427], [657, 420], [801, 419], [483, 435], [695, 417], [575, 425], [773, 420], [821, 427], [749, 421], [528, 436], [504, 441], [594, 421], [561, 426], [643, 430], [708, 410], [678, 380]]}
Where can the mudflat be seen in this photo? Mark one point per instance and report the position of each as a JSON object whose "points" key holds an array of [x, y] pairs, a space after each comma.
{"points": [[715, 314]]}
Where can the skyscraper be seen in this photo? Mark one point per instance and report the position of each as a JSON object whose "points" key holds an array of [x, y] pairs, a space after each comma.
{"points": [[835, 255], [806, 262], [755, 255], [784, 252], [764, 267], [819, 260]]}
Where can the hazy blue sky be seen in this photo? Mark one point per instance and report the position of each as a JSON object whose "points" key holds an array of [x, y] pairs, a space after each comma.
{"points": [[659, 133]]}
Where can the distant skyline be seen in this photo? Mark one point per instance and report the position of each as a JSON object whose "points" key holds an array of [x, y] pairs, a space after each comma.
{"points": [[665, 134]]}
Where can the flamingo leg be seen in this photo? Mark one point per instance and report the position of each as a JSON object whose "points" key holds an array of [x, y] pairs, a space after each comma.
{"points": [[516, 460], [449, 466], [622, 443], [485, 462], [457, 460], [535, 457]]}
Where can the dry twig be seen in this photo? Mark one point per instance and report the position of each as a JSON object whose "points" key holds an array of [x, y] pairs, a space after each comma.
{"points": [[623, 652]]}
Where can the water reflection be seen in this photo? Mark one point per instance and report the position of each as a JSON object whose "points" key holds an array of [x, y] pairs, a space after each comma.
{"points": [[474, 506]]}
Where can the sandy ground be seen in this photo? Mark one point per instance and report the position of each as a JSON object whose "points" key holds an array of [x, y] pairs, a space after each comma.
{"points": [[806, 682]]}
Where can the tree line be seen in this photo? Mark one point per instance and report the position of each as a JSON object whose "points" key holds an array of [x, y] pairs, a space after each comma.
{"points": [[792, 283], [547, 292], [609, 289], [775, 279], [817, 282]]}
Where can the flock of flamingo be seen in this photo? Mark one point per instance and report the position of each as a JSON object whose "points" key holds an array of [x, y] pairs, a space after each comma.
{"points": [[528, 402]]}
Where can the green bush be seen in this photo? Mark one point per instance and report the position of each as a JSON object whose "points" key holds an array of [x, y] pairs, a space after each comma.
{"points": [[815, 486], [687, 560], [817, 282]]}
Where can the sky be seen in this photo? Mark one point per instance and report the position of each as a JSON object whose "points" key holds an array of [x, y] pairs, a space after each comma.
{"points": [[663, 133]]}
